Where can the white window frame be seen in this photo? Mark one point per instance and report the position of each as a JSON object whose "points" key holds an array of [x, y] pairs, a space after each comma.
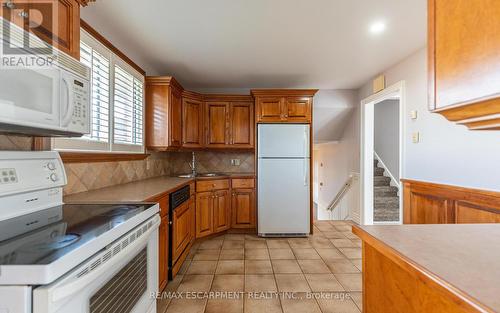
{"points": [[92, 146]]}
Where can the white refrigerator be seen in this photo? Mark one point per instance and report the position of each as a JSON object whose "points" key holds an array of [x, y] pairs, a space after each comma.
{"points": [[283, 189]]}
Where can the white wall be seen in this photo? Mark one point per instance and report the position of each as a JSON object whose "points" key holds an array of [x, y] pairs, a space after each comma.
{"points": [[447, 153], [387, 134]]}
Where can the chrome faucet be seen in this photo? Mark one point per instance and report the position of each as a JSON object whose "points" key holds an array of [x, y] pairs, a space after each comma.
{"points": [[192, 165]]}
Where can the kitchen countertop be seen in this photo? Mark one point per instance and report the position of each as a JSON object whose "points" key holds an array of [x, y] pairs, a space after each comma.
{"points": [[463, 257], [141, 190]]}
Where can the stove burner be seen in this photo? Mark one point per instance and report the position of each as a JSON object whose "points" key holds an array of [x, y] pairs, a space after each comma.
{"points": [[55, 242]]}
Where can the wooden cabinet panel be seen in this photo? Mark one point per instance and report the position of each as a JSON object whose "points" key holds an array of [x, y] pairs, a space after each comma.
{"points": [[192, 221], [464, 81], [209, 185], [243, 208], [204, 214], [298, 109], [241, 125], [217, 114], [222, 211], [192, 123], [467, 214], [181, 235], [431, 210], [164, 205], [163, 253], [270, 109], [238, 183], [163, 113]]}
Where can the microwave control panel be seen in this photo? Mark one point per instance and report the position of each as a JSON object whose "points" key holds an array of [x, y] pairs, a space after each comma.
{"points": [[80, 120]]}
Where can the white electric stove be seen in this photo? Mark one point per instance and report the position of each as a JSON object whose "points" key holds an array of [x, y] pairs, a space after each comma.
{"points": [[85, 258]]}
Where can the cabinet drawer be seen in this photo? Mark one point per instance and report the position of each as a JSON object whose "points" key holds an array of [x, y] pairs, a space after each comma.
{"points": [[207, 185], [243, 183]]}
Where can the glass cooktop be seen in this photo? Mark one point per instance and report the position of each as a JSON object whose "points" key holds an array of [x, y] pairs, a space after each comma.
{"points": [[42, 237]]}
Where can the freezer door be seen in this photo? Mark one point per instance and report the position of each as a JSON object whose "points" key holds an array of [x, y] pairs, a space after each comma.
{"points": [[283, 140], [283, 196]]}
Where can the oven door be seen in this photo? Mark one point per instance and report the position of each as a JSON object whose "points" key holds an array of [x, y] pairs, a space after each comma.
{"points": [[122, 278], [30, 97]]}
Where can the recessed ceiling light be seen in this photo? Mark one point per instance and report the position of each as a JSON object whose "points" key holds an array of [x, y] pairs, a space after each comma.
{"points": [[377, 27]]}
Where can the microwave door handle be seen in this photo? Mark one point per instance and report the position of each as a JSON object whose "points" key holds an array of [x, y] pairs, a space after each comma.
{"points": [[70, 106], [66, 290]]}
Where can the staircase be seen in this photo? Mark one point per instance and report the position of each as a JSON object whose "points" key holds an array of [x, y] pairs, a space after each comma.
{"points": [[385, 197]]}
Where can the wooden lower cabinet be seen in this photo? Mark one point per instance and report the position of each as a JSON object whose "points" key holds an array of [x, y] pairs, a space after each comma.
{"points": [[430, 203], [163, 254], [181, 236], [243, 208], [221, 211], [204, 214]]}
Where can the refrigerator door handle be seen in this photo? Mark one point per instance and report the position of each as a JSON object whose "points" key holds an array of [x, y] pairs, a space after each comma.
{"points": [[306, 172], [306, 142]]}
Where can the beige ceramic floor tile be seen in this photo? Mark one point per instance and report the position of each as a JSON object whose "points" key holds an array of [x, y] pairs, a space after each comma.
{"points": [[338, 306], [174, 284], [330, 254], [255, 244], [258, 267], [228, 283], [322, 243], [256, 254], [202, 267], [323, 282], [357, 297], [239, 237], [306, 254], [260, 283], [254, 237], [333, 235], [299, 304], [224, 306], [195, 283], [184, 267], [233, 244], [206, 255], [230, 267], [232, 254], [211, 244], [186, 306], [281, 254], [277, 244], [292, 283], [161, 304], [342, 266], [351, 282], [358, 263], [313, 266], [351, 253], [261, 305], [286, 266], [343, 243], [300, 243]]}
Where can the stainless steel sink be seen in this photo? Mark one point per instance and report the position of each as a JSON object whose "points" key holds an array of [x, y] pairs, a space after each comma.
{"points": [[202, 175]]}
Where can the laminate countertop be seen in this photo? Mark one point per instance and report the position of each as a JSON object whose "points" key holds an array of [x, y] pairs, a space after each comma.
{"points": [[463, 258], [141, 190]]}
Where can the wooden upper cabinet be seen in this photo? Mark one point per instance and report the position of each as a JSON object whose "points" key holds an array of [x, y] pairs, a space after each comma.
{"points": [[217, 114], [57, 23], [192, 122], [283, 105], [298, 109], [163, 113], [241, 124], [464, 80]]}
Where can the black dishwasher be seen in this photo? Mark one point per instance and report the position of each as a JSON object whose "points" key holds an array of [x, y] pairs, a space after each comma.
{"points": [[176, 199]]}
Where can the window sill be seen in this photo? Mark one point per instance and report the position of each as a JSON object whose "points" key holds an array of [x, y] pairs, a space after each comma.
{"points": [[94, 157]]}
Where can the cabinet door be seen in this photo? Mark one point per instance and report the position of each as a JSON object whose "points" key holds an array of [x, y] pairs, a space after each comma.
{"points": [[298, 109], [192, 212], [270, 109], [217, 115], [163, 253], [243, 207], [222, 212], [175, 118], [181, 235], [204, 214], [241, 125], [192, 123]]}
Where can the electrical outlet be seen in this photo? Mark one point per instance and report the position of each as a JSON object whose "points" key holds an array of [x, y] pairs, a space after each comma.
{"points": [[415, 137], [414, 114], [235, 162]]}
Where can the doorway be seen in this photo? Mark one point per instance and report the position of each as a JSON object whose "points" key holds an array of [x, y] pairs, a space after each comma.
{"points": [[382, 150]]}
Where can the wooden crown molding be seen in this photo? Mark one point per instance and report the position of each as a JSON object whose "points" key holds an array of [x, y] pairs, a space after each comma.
{"points": [[88, 157], [484, 115], [192, 95], [84, 3], [284, 92], [94, 33], [227, 98], [164, 80]]}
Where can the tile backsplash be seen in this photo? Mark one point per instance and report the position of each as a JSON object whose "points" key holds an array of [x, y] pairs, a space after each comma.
{"points": [[212, 161], [15, 143]]}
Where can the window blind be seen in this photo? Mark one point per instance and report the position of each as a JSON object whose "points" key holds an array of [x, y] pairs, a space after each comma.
{"points": [[128, 107]]}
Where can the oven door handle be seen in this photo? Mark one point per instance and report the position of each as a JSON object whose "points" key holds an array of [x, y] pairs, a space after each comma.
{"points": [[69, 289]]}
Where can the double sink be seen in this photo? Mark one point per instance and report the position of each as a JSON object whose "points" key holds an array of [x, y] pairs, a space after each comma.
{"points": [[202, 175]]}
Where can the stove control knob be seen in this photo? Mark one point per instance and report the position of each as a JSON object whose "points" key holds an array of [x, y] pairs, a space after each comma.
{"points": [[51, 166], [53, 177]]}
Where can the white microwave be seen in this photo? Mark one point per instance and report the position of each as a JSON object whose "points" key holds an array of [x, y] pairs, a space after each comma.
{"points": [[47, 102]]}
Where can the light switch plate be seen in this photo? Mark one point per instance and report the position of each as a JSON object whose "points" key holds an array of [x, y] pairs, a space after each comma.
{"points": [[416, 137], [414, 114], [235, 162]]}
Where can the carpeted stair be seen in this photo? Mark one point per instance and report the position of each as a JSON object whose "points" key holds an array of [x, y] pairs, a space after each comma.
{"points": [[386, 199]]}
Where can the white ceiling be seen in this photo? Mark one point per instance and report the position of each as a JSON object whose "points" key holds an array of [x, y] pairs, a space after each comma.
{"points": [[262, 43]]}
